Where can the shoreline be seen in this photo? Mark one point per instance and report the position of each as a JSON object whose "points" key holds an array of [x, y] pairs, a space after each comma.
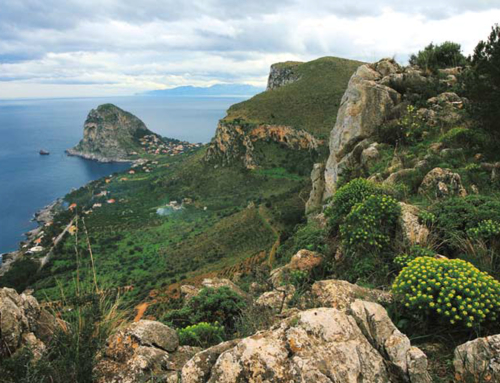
{"points": [[96, 157]]}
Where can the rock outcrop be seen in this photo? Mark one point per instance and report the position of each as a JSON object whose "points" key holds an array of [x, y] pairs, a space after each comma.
{"points": [[366, 104], [412, 229], [111, 134], [189, 291], [23, 323], [318, 345], [303, 260], [440, 183], [478, 360], [315, 201], [282, 74], [234, 142], [143, 350]]}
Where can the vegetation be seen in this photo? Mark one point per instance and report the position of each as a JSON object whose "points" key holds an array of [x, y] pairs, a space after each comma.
{"points": [[202, 334], [451, 290], [310, 103], [434, 57]]}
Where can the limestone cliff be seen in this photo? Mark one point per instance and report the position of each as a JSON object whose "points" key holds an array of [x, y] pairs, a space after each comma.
{"points": [[235, 141], [282, 74], [111, 134]]}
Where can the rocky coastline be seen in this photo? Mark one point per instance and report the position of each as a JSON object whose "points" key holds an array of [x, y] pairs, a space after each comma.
{"points": [[95, 157]]}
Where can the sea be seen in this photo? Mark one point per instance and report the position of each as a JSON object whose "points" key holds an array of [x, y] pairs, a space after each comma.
{"points": [[30, 181]]}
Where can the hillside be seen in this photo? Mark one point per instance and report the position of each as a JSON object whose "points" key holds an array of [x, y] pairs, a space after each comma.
{"points": [[304, 96], [392, 275]]}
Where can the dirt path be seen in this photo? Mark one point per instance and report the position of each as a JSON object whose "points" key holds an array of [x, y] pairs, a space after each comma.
{"points": [[45, 259], [141, 309]]}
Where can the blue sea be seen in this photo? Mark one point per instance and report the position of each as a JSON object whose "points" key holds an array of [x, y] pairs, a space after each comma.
{"points": [[29, 181]]}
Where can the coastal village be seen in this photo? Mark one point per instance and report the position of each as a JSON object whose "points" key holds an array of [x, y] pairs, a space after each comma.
{"points": [[156, 145]]}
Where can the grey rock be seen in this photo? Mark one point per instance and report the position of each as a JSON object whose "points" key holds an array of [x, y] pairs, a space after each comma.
{"points": [[315, 201], [478, 360]]}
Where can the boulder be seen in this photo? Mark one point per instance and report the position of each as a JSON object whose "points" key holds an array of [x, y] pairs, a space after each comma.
{"points": [[412, 229], [188, 292], [22, 321], [478, 360], [278, 299], [144, 349], [370, 155], [399, 176], [198, 368], [340, 294], [439, 183], [315, 201], [366, 104], [303, 260], [317, 345]]}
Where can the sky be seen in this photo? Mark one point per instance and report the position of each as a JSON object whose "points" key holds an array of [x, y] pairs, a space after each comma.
{"points": [[84, 48]]}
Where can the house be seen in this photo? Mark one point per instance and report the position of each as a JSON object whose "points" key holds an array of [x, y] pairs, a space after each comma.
{"points": [[72, 206], [111, 200], [96, 205]]}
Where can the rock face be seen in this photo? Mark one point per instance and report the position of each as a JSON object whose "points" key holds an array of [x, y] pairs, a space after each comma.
{"points": [[439, 183], [318, 345], [141, 351], [412, 229], [23, 323], [366, 104], [315, 201], [282, 74], [478, 360], [234, 142], [341, 294], [110, 134]]}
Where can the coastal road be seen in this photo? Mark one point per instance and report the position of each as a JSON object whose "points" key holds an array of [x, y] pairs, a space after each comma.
{"points": [[59, 238]]}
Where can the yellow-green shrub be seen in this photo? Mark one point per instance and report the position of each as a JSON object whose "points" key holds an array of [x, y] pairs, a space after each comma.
{"points": [[202, 334], [452, 289]]}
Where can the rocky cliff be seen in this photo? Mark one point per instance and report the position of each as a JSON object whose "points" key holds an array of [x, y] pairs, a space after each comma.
{"points": [[235, 142], [282, 74], [111, 134]]}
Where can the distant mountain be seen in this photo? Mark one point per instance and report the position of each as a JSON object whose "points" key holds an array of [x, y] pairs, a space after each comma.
{"points": [[214, 90]]}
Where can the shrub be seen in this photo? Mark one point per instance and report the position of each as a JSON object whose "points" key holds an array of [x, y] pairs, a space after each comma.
{"points": [[485, 230], [464, 138], [456, 215], [346, 197], [221, 305], [482, 81], [202, 334], [426, 218], [370, 225], [433, 57], [415, 251], [452, 290]]}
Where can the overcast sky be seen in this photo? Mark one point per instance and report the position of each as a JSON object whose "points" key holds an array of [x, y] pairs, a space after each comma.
{"points": [[58, 48]]}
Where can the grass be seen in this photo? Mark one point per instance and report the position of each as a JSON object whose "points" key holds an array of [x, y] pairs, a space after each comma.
{"points": [[310, 103]]}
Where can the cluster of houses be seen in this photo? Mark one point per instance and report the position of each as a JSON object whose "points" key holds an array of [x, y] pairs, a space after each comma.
{"points": [[154, 144]]}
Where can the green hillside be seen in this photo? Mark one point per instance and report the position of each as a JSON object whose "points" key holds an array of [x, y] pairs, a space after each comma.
{"points": [[311, 103]]}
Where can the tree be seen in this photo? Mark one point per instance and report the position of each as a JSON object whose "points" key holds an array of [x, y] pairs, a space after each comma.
{"points": [[434, 57], [482, 81]]}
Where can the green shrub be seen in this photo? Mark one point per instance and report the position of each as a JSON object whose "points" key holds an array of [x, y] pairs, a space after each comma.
{"points": [[464, 138], [405, 131], [456, 215], [451, 290], [346, 197], [485, 230], [221, 305], [426, 218], [402, 260], [433, 57], [370, 225], [202, 334]]}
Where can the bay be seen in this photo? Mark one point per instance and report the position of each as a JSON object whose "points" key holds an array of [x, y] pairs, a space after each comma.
{"points": [[29, 181]]}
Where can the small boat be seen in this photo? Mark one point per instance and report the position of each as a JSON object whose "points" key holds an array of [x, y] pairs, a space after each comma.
{"points": [[44, 153]]}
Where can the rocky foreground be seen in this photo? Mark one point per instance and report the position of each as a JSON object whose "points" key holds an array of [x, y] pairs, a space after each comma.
{"points": [[347, 337]]}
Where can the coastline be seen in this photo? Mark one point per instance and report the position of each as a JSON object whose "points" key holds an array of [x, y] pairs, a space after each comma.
{"points": [[96, 157]]}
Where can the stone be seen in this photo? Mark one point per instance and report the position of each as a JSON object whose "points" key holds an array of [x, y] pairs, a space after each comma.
{"points": [[478, 360], [319, 345], [366, 104], [198, 368], [23, 323], [412, 229], [188, 292], [305, 260], [399, 176], [315, 201], [440, 183], [340, 294], [370, 156], [144, 349], [278, 299]]}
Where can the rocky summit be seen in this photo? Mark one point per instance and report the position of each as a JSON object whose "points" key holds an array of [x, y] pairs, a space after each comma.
{"points": [[111, 134]]}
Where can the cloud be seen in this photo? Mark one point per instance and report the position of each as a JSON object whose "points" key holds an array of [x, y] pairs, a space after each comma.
{"points": [[102, 47]]}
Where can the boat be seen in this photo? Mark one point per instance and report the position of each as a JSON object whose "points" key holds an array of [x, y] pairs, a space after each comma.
{"points": [[44, 152]]}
